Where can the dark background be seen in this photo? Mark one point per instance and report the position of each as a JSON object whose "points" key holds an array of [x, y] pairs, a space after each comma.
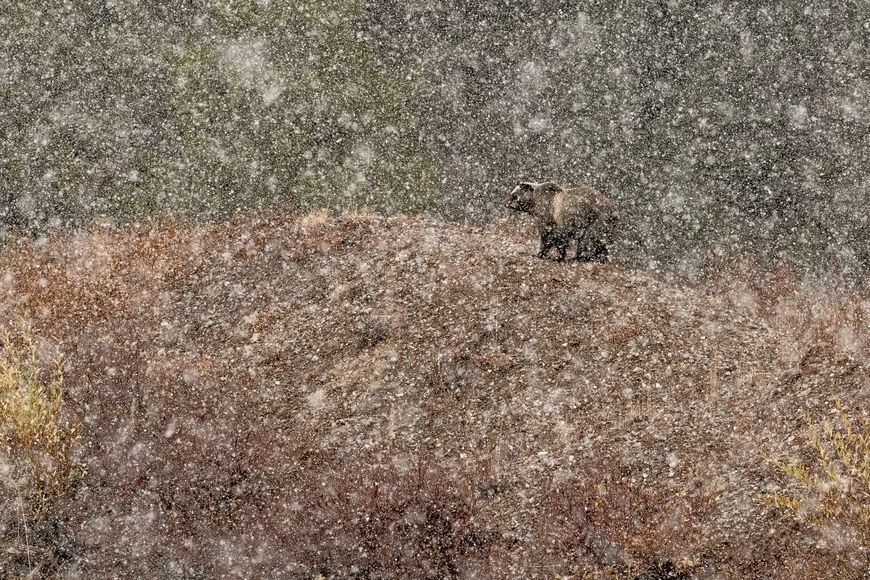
{"points": [[730, 128]]}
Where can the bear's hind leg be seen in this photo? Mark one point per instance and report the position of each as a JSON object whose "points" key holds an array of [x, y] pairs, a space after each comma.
{"points": [[583, 253], [562, 248], [600, 254]]}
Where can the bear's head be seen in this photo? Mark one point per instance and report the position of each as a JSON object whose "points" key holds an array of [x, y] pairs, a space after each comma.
{"points": [[522, 198], [527, 194]]}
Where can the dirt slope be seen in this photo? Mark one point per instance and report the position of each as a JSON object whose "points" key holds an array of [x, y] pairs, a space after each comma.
{"points": [[376, 397]]}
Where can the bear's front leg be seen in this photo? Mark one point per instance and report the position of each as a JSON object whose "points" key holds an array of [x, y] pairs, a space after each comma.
{"points": [[546, 243]]}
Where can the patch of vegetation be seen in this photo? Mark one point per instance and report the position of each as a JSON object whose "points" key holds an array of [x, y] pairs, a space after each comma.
{"points": [[834, 487], [36, 444]]}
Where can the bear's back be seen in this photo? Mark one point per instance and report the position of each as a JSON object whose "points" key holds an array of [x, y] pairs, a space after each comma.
{"points": [[578, 207]]}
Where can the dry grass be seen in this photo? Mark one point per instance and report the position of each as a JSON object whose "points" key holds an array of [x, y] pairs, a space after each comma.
{"points": [[394, 397], [834, 486], [808, 316], [37, 442]]}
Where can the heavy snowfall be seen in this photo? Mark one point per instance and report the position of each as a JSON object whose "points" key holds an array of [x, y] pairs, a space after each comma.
{"points": [[266, 310]]}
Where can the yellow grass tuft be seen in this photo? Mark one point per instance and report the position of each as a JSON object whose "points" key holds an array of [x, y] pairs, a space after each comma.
{"points": [[33, 433], [834, 489]]}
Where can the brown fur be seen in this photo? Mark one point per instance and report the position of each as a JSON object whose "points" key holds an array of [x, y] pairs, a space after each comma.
{"points": [[583, 214]]}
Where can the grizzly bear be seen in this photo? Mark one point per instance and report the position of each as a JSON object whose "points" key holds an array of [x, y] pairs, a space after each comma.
{"points": [[563, 215]]}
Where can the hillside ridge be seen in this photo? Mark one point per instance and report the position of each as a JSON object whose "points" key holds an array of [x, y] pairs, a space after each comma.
{"points": [[234, 379]]}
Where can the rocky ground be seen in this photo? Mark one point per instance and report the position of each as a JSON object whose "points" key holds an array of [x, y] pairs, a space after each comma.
{"points": [[398, 397]]}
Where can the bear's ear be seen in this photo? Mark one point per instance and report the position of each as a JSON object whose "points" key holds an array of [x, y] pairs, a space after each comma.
{"points": [[525, 185]]}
